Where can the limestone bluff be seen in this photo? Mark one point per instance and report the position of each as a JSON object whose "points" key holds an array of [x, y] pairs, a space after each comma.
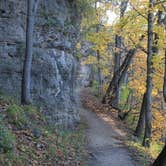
{"points": [[54, 66]]}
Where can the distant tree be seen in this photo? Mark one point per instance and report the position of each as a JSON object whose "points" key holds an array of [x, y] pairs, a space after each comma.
{"points": [[26, 76]]}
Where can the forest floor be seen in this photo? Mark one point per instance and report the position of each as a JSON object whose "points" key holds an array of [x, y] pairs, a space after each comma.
{"points": [[27, 139], [106, 136], [99, 139]]}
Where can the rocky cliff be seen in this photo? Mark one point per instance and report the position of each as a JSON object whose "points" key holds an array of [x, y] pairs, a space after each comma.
{"points": [[54, 66]]}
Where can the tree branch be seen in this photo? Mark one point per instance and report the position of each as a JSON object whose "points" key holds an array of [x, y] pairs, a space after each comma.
{"points": [[140, 47], [138, 12]]}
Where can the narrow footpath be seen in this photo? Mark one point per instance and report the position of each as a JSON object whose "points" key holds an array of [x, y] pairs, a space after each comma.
{"points": [[106, 141]]}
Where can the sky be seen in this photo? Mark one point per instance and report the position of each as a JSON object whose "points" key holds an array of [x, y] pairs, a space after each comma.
{"points": [[111, 16]]}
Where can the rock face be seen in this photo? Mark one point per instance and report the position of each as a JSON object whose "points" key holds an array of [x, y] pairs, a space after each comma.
{"points": [[54, 66]]}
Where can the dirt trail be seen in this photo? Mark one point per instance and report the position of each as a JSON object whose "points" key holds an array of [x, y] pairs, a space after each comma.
{"points": [[106, 142]]}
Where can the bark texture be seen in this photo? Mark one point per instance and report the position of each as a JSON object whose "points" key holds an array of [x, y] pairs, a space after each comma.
{"points": [[164, 86], [141, 122], [26, 78], [148, 113]]}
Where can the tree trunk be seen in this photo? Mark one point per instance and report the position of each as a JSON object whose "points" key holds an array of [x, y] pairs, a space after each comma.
{"points": [[141, 122], [140, 125], [122, 71], [98, 59], [99, 74], [164, 86], [148, 113], [156, 36], [116, 98], [26, 77], [161, 159]]}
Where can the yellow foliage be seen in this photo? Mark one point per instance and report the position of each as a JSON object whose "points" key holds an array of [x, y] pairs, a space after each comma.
{"points": [[159, 124], [131, 27]]}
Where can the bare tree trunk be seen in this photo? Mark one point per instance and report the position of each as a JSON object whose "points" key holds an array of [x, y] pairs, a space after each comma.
{"points": [[26, 77], [148, 113], [141, 122]]}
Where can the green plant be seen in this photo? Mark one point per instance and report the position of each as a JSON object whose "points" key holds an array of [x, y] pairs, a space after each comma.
{"points": [[17, 116], [7, 138]]}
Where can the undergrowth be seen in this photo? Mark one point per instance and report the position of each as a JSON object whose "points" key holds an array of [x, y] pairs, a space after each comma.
{"points": [[146, 155], [27, 139]]}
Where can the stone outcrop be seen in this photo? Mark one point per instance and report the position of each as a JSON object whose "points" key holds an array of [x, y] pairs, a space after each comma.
{"points": [[54, 66]]}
